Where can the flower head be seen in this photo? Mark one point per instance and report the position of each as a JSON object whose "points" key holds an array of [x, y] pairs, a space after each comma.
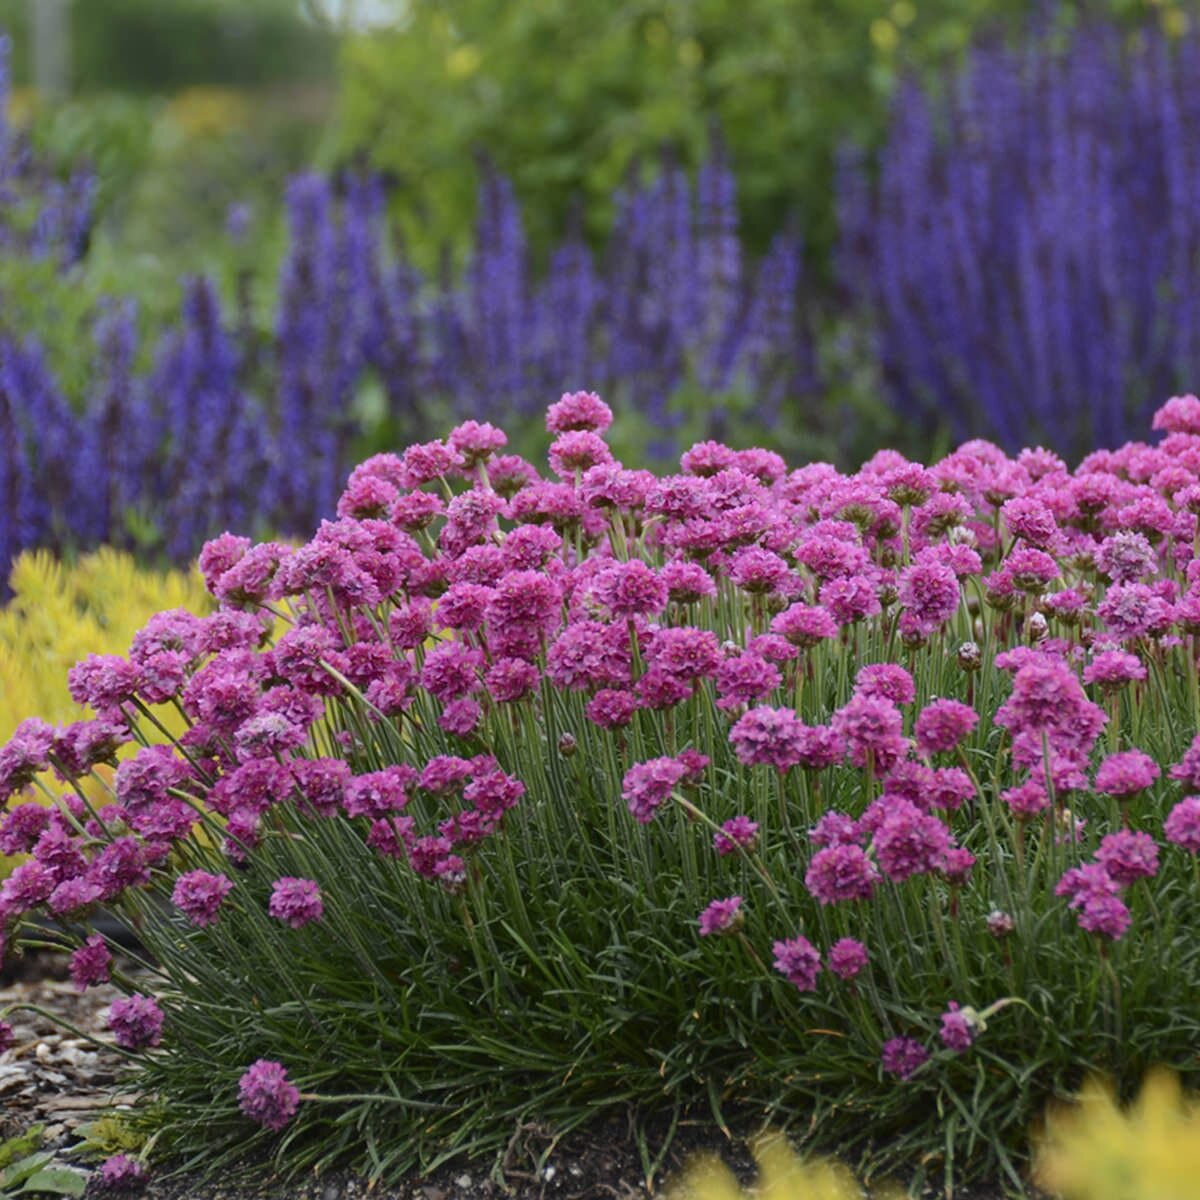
{"points": [[295, 902], [722, 917], [266, 1095]]}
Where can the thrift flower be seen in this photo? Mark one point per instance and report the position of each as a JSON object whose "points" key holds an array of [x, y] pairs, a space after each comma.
{"points": [[958, 1029], [295, 902], [846, 958], [267, 1096], [136, 1022], [198, 895], [90, 963], [722, 916], [736, 832], [903, 1057], [1182, 825], [798, 961]]}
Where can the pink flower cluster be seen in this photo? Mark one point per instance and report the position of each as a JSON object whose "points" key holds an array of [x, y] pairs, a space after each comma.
{"points": [[462, 603]]}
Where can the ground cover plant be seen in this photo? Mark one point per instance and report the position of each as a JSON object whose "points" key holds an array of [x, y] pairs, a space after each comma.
{"points": [[864, 804]]}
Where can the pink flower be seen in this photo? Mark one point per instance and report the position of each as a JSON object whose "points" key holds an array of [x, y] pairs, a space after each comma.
{"points": [[909, 842], [1112, 669], [1182, 825], [648, 785], [798, 961], [888, 680], [199, 895], [136, 1022], [120, 1173], [841, 872], [805, 625], [769, 737], [722, 917], [1128, 856], [958, 1030], [872, 728], [295, 902], [578, 450], [1126, 774], [90, 963], [942, 724], [578, 410], [847, 958], [737, 832], [903, 1057], [266, 1095]]}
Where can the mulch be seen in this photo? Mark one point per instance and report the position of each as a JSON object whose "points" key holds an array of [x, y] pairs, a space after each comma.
{"points": [[57, 1080]]}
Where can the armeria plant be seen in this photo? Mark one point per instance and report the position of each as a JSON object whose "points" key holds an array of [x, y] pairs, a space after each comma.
{"points": [[867, 803]]}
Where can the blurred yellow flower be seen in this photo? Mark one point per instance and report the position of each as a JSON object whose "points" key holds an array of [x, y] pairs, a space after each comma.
{"points": [[205, 112], [782, 1175], [1092, 1150], [884, 34], [463, 61]]}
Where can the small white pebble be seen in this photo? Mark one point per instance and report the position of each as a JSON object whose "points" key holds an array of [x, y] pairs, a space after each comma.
{"points": [[43, 1053], [463, 1181], [549, 1173]]}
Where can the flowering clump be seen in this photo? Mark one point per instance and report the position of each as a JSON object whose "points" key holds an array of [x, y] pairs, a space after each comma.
{"points": [[479, 756]]}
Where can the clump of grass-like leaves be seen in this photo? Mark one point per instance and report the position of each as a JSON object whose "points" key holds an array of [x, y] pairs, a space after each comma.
{"points": [[852, 804]]}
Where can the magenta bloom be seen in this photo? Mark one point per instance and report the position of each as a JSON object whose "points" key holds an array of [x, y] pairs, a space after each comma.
{"points": [[198, 895], [612, 709], [267, 1096], [958, 1030], [805, 625], [578, 410], [120, 1173], [798, 962], [1182, 825], [648, 785], [1127, 773], [942, 724], [722, 916], [872, 729], [903, 1057], [90, 963], [889, 680], [136, 1022], [1128, 856], [736, 832], [847, 958], [8, 1038], [841, 872], [295, 902], [770, 737], [909, 842]]}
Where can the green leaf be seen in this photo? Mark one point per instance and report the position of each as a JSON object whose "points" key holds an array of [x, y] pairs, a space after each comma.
{"points": [[20, 1146], [57, 1180], [21, 1170]]}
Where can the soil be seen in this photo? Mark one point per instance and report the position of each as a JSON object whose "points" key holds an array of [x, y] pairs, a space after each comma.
{"points": [[58, 1080]]}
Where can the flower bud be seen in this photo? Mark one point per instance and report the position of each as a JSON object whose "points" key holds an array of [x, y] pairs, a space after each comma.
{"points": [[1000, 924], [970, 657], [1036, 628], [567, 745]]}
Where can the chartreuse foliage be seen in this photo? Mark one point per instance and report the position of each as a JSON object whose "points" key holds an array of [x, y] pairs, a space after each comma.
{"points": [[864, 805]]}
